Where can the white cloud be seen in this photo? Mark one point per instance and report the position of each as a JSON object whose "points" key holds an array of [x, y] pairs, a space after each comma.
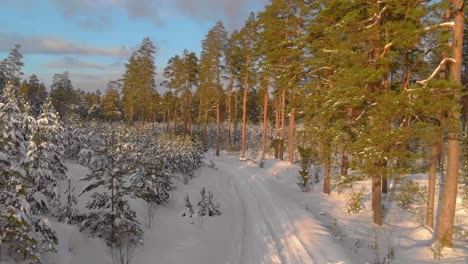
{"points": [[56, 46]]}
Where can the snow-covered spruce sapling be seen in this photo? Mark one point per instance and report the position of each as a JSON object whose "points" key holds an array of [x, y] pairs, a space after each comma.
{"points": [[213, 209], [188, 210], [203, 203], [151, 179], [45, 152], [207, 206], [111, 216], [24, 235]]}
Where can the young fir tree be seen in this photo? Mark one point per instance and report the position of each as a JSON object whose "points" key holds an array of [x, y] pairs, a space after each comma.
{"points": [[25, 235], [110, 215], [151, 181], [45, 155], [188, 210]]}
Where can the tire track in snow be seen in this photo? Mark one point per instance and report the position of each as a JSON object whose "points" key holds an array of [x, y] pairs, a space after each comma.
{"points": [[289, 248]]}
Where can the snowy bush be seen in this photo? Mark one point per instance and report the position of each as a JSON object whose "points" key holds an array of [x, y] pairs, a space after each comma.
{"points": [[188, 210], [207, 206], [355, 201]]}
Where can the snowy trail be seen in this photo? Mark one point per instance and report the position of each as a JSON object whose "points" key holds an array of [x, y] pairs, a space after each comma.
{"points": [[284, 231], [262, 222]]}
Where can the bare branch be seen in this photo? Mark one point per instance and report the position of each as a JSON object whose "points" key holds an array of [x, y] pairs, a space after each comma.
{"points": [[449, 24], [436, 71], [378, 16], [386, 49]]}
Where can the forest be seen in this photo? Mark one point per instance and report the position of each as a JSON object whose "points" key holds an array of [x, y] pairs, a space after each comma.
{"points": [[345, 91]]}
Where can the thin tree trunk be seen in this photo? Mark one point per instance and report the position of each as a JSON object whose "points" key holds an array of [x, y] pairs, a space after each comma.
{"points": [[344, 163], [327, 167], [218, 126], [235, 116], [447, 213], [291, 129], [244, 108], [433, 160], [265, 117], [377, 195], [228, 138], [283, 123]]}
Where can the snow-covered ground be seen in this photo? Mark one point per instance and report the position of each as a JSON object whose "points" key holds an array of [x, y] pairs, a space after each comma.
{"points": [[265, 219]]}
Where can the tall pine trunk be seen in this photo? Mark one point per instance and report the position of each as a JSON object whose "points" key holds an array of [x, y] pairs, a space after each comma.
{"points": [[377, 193], [283, 124], [229, 109], [265, 117], [433, 160], [327, 167], [291, 129], [447, 213], [244, 107]]}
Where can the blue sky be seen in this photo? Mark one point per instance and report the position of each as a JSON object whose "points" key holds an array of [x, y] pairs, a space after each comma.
{"points": [[92, 39]]}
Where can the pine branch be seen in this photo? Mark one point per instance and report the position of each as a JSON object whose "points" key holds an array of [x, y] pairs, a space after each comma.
{"points": [[436, 71], [449, 24], [386, 49]]}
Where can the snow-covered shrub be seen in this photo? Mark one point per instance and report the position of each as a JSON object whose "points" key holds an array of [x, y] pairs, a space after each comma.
{"points": [[181, 153], [188, 210], [355, 201], [151, 179], [207, 206]]}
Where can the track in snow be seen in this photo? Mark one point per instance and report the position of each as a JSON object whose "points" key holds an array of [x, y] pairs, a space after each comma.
{"points": [[274, 229]]}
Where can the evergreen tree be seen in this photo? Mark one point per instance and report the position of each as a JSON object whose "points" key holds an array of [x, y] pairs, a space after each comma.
{"points": [[139, 83], [111, 216], [63, 96], [45, 155], [10, 68], [110, 102], [210, 76], [26, 235]]}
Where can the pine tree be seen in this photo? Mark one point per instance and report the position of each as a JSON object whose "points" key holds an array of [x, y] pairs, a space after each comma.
{"points": [[63, 96], [210, 75], [110, 102], [139, 83], [22, 232], [46, 153], [111, 216], [10, 68]]}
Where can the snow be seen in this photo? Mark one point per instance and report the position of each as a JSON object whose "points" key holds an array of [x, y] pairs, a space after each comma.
{"points": [[265, 219]]}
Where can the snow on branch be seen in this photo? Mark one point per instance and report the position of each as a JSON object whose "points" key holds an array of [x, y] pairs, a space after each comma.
{"points": [[436, 71], [449, 24]]}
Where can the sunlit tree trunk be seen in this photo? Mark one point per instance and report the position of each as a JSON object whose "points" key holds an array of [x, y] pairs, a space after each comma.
{"points": [[447, 213]]}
